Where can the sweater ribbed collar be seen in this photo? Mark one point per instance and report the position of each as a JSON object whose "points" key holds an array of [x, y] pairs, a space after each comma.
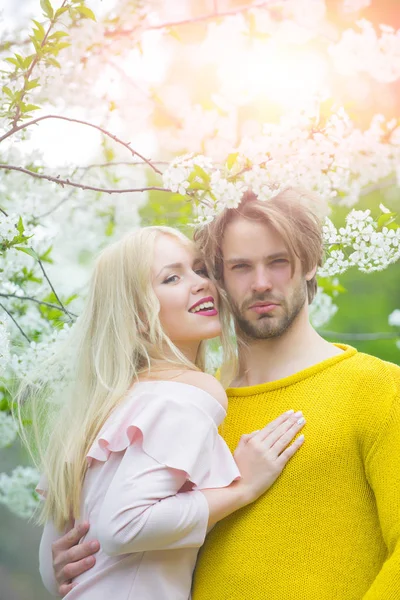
{"points": [[348, 352]]}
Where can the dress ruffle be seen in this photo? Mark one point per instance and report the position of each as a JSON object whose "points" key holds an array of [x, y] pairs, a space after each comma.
{"points": [[177, 424]]}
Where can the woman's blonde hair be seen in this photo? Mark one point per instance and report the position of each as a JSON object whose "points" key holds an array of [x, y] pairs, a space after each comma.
{"points": [[118, 335]]}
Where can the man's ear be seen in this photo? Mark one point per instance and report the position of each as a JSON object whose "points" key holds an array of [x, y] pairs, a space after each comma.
{"points": [[311, 273]]}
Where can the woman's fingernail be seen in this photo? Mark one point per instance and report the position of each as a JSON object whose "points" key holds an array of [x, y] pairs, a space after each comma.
{"points": [[301, 421], [299, 413], [93, 545], [301, 438], [290, 412]]}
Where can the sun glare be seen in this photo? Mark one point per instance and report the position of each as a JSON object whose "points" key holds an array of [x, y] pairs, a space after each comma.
{"points": [[288, 78]]}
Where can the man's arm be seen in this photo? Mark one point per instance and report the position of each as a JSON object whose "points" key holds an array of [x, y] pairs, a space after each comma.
{"points": [[383, 472]]}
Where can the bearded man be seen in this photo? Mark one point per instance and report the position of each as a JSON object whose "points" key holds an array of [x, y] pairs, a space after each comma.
{"points": [[329, 528]]}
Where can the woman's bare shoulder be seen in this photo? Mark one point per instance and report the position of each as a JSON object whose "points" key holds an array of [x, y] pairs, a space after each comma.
{"points": [[205, 382]]}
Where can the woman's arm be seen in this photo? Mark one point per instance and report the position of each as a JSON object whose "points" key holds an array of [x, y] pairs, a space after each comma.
{"points": [[157, 519], [143, 509]]}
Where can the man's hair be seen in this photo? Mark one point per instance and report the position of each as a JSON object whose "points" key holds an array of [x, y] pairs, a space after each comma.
{"points": [[288, 214]]}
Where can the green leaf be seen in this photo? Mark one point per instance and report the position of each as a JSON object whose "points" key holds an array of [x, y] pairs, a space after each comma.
{"points": [[20, 60], [110, 228], [36, 44], [57, 35], [109, 154], [28, 61], [393, 225], [61, 11], [62, 45], [53, 61], [231, 160], [385, 219], [46, 256], [13, 61], [29, 251], [85, 12], [30, 107], [47, 8], [7, 91], [40, 28], [201, 173], [32, 84], [197, 185], [173, 33], [20, 226]]}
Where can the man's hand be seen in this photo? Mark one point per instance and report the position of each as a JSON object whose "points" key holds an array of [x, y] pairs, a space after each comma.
{"points": [[71, 559]]}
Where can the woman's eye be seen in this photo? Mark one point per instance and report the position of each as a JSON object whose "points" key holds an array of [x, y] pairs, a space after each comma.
{"points": [[171, 279], [239, 266], [202, 272]]}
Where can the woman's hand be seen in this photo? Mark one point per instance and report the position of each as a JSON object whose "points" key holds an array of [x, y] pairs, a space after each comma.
{"points": [[262, 455]]}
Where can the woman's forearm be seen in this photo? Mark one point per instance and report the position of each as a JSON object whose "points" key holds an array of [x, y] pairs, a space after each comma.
{"points": [[224, 501]]}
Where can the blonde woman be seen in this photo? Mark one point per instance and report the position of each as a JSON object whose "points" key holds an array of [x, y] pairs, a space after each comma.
{"points": [[135, 448]]}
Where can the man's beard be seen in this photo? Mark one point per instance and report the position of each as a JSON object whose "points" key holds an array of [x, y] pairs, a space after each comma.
{"points": [[269, 326]]}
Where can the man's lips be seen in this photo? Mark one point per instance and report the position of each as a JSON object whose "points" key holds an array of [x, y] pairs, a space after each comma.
{"points": [[262, 308]]}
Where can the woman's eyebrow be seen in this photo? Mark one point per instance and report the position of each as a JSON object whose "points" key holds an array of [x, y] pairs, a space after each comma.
{"points": [[177, 265]]}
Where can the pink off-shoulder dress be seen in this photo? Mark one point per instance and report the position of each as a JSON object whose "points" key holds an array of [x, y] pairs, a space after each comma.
{"points": [[141, 494]]}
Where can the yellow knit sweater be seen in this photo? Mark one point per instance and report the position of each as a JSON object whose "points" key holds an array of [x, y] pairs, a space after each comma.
{"points": [[329, 528]]}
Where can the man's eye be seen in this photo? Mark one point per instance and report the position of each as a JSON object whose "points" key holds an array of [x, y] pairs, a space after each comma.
{"points": [[280, 261], [239, 266], [171, 279]]}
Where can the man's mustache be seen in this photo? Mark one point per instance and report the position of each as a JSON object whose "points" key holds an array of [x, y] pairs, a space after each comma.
{"points": [[265, 298]]}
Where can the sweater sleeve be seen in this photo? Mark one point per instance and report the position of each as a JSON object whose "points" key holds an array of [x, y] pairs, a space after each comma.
{"points": [[143, 509], [383, 472]]}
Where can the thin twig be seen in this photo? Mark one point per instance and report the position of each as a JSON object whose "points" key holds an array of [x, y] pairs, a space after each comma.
{"points": [[190, 21], [51, 210], [81, 186], [15, 322], [374, 187], [15, 129], [41, 302], [359, 336], [126, 163], [35, 61], [53, 290]]}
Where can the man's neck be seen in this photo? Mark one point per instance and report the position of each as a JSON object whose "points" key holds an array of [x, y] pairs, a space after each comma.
{"points": [[300, 347]]}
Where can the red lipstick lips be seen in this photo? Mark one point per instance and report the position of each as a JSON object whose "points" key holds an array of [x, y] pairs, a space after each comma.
{"points": [[206, 311]]}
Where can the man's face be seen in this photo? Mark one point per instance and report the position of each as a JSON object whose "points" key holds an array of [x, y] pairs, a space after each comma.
{"points": [[265, 298]]}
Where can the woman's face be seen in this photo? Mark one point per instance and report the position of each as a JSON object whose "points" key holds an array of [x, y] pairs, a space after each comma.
{"points": [[188, 299]]}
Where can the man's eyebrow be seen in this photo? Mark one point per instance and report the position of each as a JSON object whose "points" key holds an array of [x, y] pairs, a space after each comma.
{"points": [[281, 254]]}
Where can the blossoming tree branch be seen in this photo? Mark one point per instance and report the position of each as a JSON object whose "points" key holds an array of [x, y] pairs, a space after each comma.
{"points": [[120, 114]]}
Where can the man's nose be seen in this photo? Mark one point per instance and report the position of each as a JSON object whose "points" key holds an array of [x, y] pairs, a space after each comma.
{"points": [[261, 281]]}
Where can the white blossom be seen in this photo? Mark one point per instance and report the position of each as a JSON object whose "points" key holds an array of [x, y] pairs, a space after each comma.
{"points": [[322, 309], [365, 52], [17, 491], [350, 6], [4, 347], [394, 318], [8, 429]]}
